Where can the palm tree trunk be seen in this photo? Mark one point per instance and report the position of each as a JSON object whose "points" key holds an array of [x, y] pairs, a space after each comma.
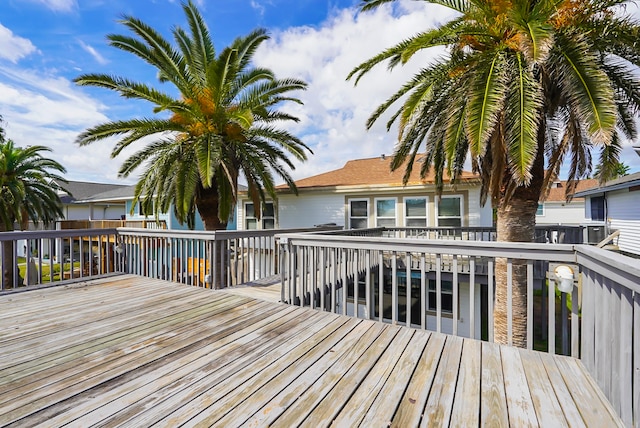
{"points": [[207, 201], [516, 223]]}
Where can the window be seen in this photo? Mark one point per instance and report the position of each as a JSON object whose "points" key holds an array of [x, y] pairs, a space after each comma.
{"points": [[415, 212], [142, 211], [358, 214], [267, 220], [450, 211], [446, 291], [385, 212], [540, 210], [597, 208]]}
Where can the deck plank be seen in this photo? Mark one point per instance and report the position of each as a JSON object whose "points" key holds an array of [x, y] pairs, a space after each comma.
{"points": [[466, 404], [131, 351]]}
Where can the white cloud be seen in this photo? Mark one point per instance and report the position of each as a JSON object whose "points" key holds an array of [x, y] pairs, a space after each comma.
{"points": [[50, 111], [335, 112], [58, 5], [95, 54], [13, 47]]}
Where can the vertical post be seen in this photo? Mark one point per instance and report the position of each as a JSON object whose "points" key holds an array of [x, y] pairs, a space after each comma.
{"points": [[455, 295], [551, 317], [472, 297], [510, 302], [407, 262], [423, 292], [529, 304], [438, 293], [380, 285], [490, 293], [394, 288]]}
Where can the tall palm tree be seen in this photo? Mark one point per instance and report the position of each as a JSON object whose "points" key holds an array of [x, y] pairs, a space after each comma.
{"points": [[524, 86], [28, 191], [219, 126]]}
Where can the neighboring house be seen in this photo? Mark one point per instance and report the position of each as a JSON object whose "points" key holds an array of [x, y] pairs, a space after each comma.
{"points": [[364, 193], [125, 196], [555, 210], [616, 205], [75, 207]]}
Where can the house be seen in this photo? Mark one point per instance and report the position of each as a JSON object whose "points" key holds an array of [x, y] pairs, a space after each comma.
{"points": [[616, 206], [556, 210], [364, 193], [77, 192], [125, 195]]}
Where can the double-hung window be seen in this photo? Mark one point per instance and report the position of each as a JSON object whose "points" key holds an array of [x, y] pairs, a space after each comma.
{"points": [[386, 212], [358, 213], [450, 211], [415, 212], [267, 219], [446, 294]]}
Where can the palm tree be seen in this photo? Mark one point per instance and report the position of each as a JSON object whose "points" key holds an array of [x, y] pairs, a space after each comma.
{"points": [[221, 124], [524, 86], [28, 191]]}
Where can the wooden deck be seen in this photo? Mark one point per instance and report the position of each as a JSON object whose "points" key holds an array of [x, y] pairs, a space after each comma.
{"points": [[130, 351]]}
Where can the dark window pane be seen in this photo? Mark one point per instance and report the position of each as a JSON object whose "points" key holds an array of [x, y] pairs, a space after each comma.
{"points": [[597, 208], [268, 223], [249, 210], [267, 210], [359, 209], [358, 223], [450, 222]]}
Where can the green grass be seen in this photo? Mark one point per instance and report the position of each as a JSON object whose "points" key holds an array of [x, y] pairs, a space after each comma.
{"points": [[46, 270]]}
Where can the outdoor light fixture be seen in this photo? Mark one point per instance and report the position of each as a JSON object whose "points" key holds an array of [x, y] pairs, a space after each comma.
{"points": [[119, 248], [207, 279], [565, 278]]}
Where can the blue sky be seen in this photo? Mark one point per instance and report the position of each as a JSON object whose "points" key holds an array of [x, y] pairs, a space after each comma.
{"points": [[44, 44]]}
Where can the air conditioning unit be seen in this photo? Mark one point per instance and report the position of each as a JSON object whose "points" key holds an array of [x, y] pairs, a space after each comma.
{"points": [[595, 234]]}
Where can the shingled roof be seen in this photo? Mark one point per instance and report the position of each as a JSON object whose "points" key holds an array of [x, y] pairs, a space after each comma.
{"points": [[558, 192], [81, 190], [371, 172]]}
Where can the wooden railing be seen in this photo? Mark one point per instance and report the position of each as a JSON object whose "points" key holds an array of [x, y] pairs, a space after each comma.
{"points": [[51, 257], [543, 234], [206, 259], [110, 224], [449, 286]]}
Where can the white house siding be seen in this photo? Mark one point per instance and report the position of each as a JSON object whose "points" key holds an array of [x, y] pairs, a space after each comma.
{"points": [[97, 212], [310, 210], [562, 213], [479, 216], [623, 212]]}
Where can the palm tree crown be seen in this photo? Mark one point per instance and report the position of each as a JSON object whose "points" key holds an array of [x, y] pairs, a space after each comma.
{"points": [[525, 86], [220, 126], [28, 188]]}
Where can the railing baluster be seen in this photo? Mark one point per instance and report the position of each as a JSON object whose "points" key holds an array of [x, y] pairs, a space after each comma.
{"points": [[438, 293], [455, 295], [551, 317], [407, 261], [394, 288], [472, 297], [490, 297]]}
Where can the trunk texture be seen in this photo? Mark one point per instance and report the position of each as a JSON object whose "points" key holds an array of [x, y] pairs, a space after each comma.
{"points": [[516, 223], [207, 204]]}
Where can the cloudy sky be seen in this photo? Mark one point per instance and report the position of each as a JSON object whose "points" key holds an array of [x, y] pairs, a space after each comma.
{"points": [[44, 44]]}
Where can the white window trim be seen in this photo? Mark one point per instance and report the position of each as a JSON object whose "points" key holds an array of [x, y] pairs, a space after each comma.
{"points": [[259, 223], [349, 216], [544, 209], [461, 197], [426, 212], [395, 205]]}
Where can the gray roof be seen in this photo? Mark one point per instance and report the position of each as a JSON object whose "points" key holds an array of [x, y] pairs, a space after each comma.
{"points": [[81, 190], [124, 193], [617, 184]]}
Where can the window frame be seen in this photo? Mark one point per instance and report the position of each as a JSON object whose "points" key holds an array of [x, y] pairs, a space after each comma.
{"points": [[407, 217], [439, 217], [395, 210], [541, 209], [350, 216], [259, 223]]}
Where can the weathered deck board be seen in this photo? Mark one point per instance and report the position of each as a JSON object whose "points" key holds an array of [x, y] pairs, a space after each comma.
{"points": [[130, 351]]}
